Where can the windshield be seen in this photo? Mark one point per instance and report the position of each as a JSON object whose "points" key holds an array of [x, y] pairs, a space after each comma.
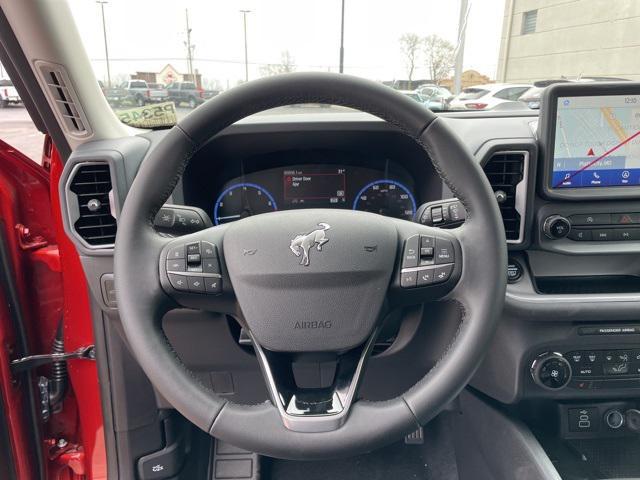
{"points": [[175, 56]]}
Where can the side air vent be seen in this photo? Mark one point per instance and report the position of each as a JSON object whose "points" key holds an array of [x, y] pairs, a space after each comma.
{"points": [[93, 219], [64, 99], [507, 173]]}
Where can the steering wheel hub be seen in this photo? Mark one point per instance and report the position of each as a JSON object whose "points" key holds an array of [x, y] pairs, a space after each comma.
{"points": [[310, 280]]}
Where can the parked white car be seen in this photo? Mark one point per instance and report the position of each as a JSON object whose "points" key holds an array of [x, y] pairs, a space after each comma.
{"points": [[8, 94], [487, 97]]}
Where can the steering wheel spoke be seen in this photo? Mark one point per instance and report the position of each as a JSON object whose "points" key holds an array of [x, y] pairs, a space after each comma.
{"points": [[320, 409]]}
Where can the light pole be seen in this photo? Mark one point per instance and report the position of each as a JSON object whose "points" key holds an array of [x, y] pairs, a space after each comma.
{"points": [[189, 47], [104, 31], [462, 30], [342, 40], [246, 55]]}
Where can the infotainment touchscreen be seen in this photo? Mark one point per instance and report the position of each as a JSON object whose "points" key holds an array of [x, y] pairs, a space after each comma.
{"points": [[596, 142]]}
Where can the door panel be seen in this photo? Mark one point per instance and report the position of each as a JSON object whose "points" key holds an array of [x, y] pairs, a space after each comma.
{"points": [[44, 286]]}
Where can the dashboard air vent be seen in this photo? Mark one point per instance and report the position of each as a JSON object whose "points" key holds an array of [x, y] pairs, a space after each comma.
{"points": [[506, 172], [64, 99], [95, 224]]}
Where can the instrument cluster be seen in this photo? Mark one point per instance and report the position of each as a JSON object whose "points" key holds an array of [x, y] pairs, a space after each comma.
{"points": [[316, 186]]}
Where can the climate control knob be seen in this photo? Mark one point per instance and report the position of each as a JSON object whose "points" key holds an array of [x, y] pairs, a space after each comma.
{"points": [[556, 226], [551, 371]]}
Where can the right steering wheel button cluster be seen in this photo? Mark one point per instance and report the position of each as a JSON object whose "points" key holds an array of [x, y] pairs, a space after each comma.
{"points": [[426, 260], [194, 268]]}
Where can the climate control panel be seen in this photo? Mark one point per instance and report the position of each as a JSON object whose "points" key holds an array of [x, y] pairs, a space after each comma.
{"points": [[587, 369]]}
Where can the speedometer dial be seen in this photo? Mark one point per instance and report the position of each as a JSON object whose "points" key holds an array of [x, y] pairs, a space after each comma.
{"points": [[242, 200], [386, 197]]}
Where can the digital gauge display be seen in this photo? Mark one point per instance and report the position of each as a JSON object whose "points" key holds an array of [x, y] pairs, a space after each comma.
{"points": [[314, 187], [300, 186]]}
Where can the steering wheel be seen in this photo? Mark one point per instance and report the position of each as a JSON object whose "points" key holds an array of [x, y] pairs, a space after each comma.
{"points": [[304, 281]]}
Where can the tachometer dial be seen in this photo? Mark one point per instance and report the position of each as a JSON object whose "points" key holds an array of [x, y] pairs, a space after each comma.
{"points": [[386, 197], [242, 200]]}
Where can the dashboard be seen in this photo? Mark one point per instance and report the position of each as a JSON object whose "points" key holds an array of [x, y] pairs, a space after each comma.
{"points": [[574, 264]]}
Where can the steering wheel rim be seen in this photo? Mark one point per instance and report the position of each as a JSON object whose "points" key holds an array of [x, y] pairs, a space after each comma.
{"points": [[142, 301]]}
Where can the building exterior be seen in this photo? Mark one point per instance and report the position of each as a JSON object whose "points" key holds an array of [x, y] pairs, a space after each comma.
{"points": [[469, 78], [544, 39], [167, 76]]}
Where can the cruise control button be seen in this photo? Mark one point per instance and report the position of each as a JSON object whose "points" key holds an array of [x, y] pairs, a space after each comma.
{"points": [[176, 252], [213, 284], [442, 273], [427, 241], [193, 248], [176, 265], [210, 265], [193, 258], [425, 277], [408, 279], [209, 250], [411, 252], [444, 251], [179, 282], [196, 284], [426, 251]]}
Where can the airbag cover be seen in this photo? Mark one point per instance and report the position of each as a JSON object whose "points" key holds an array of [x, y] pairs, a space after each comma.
{"points": [[311, 280]]}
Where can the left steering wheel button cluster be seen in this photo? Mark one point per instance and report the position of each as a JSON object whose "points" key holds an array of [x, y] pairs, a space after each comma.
{"points": [[194, 268]]}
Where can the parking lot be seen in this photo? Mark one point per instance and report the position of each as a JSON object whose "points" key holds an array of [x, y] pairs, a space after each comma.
{"points": [[17, 129]]}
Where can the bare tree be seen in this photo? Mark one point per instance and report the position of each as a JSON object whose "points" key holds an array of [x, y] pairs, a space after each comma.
{"points": [[287, 64], [410, 44], [440, 57]]}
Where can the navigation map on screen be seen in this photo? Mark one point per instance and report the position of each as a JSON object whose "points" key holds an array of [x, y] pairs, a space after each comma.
{"points": [[597, 142]]}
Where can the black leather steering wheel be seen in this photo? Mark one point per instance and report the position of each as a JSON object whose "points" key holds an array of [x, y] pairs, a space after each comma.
{"points": [[310, 281]]}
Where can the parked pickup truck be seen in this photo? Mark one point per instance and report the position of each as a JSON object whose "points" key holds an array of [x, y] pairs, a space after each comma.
{"points": [[115, 96], [187, 92], [140, 93], [8, 94]]}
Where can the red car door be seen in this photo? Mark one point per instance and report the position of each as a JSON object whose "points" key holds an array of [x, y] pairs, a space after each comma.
{"points": [[50, 415]]}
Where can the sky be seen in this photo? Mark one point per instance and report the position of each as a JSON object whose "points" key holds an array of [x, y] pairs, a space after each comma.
{"points": [[145, 35]]}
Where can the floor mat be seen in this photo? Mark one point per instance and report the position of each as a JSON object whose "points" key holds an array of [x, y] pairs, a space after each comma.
{"points": [[433, 460]]}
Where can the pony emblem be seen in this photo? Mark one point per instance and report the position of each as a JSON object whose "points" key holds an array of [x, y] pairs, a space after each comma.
{"points": [[302, 244]]}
